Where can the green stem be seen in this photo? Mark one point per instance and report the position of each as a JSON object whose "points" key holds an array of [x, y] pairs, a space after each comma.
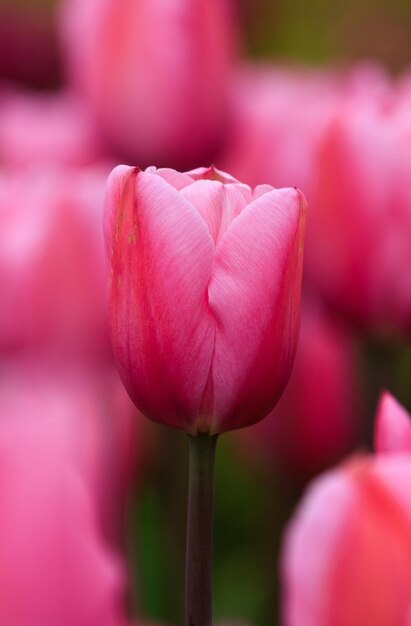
{"points": [[200, 531]]}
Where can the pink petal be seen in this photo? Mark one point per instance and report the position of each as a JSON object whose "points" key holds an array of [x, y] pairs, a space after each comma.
{"points": [[176, 179], [393, 426], [347, 559], [218, 204], [309, 547], [162, 331], [211, 173], [255, 287]]}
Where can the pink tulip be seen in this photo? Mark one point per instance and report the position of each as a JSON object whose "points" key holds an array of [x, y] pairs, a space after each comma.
{"points": [[153, 73], [347, 557], [393, 426], [56, 566], [280, 115], [204, 294], [313, 424], [95, 418], [52, 269], [45, 128], [358, 243]]}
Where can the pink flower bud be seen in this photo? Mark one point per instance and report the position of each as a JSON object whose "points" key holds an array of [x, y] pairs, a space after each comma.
{"points": [[83, 403], [347, 558], [52, 269], [360, 226], [204, 294], [56, 565], [45, 128], [280, 115], [393, 426], [153, 72]]}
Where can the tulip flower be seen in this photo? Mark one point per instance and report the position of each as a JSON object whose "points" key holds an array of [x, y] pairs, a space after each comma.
{"points": [[360, 226], [347, 556], [52, 269], [45, 128], [393, 426], [95, 418], [204, 307], [56, 567], [204, 294], [154, 74], [279, 117]]}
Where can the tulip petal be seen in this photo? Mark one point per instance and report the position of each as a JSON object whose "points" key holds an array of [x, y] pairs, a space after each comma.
{"points": [[162, 331], [347, 559], [255, 287], [393, 426], [176, 179], [217, 203], [316, 529]]}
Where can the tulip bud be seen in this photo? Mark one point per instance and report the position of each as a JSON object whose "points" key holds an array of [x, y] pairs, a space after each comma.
{"points": [[52, 270], [45, 128], [279, 115], [360, 227], [56, 567], [154, 74], [393, 426], [347, 556], [204, 302]]}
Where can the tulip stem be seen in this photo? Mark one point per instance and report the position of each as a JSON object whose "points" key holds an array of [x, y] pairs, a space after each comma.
{"points": [[200, 530]]}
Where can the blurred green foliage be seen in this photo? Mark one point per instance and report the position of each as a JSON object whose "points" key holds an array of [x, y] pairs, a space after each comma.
{"points": [[329, 30]]}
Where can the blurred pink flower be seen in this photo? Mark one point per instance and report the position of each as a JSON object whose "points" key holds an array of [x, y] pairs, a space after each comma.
{"points": [[279, 116], [56, 564], [313, 424], [393, 426], [52, 266], [347, 556], [153, 73], [96, 420], [48, 128], [204, 294], [358, 243]]}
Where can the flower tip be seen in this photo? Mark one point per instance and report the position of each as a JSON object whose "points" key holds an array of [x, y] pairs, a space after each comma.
{"points": [[392, 426]]}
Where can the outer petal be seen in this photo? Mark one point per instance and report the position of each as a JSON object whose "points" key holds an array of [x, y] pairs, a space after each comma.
{"points": [[55, 565], [310, 543], [255, 288], [162, 332], [348, 550], [393, 426]]}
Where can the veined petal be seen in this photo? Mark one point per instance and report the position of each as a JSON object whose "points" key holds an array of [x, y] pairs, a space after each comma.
{"points": [[217, 203], [211, 173], [161, 327], [176, 179], [254, 295]]}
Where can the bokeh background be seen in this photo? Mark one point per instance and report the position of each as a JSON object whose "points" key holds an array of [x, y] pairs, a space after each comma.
{"points": [[281, 98]]}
